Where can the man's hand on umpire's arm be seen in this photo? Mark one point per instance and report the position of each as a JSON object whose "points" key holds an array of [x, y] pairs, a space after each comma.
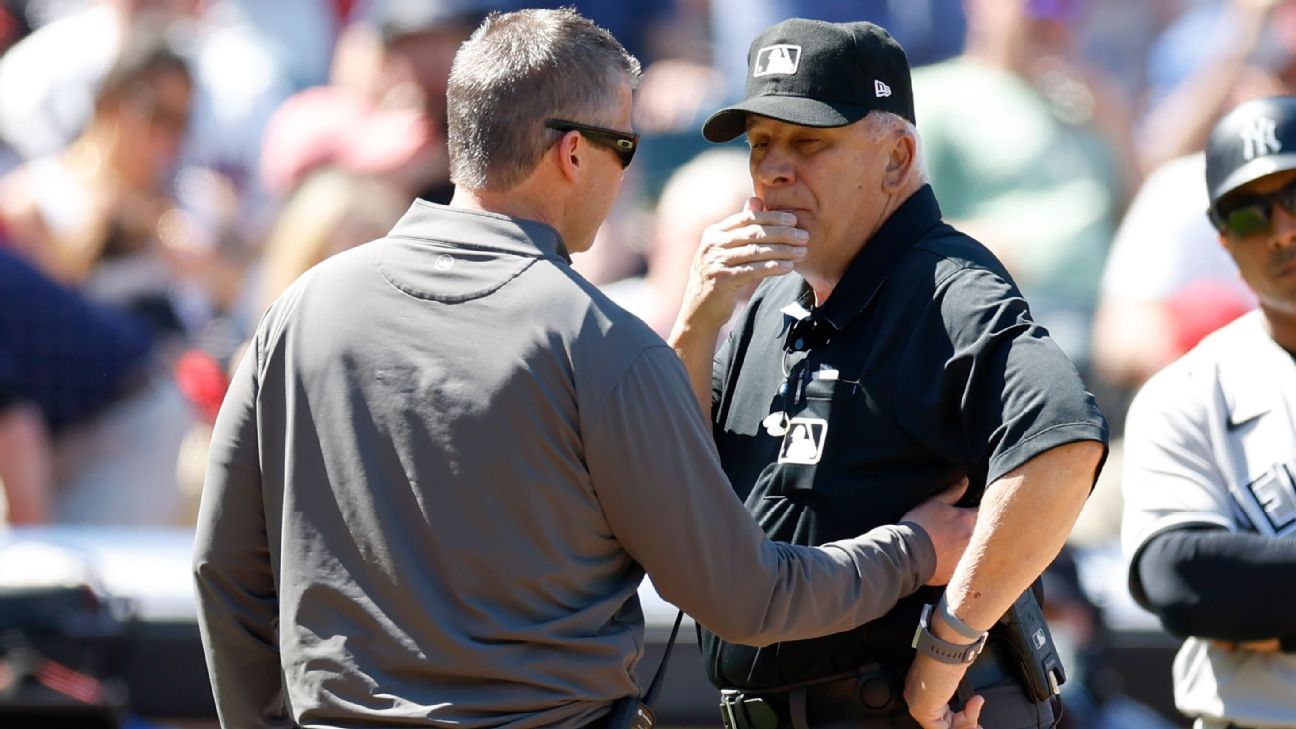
{"points": [[949, 527], [734, 254]]}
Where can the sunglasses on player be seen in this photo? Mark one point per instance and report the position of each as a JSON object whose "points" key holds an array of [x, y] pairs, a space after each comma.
{"points": [[620, 142], [1252, 214]]}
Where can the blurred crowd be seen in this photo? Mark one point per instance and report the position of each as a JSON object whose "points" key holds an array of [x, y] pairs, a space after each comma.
{"points": [[167, 167]]}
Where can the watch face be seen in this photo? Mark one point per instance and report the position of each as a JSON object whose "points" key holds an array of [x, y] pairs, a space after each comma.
{"points": [[942, 650]]}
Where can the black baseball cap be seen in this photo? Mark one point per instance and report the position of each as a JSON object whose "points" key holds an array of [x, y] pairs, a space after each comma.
{"points": [[1255, 139], [819, 74]]}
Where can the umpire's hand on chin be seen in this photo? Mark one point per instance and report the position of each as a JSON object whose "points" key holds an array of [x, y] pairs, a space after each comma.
{"points": [[736, 253]]}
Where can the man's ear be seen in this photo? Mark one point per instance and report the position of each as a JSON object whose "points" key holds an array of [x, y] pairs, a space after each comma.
{"points": [[900, 160], [569, 151]]}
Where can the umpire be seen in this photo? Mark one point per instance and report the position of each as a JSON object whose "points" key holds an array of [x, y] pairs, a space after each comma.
{"points": [[900, 356]]}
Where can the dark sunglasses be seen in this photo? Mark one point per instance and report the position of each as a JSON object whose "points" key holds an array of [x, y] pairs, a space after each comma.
{"points": [[620, 142], [1252, 214]]}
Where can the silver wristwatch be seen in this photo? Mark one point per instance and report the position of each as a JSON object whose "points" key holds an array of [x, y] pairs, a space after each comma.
{"points": [[944, 651]]}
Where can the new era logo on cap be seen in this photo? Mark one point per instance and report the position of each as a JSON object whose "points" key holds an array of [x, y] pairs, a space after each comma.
{"points": [[781, 59], [880, 89]]}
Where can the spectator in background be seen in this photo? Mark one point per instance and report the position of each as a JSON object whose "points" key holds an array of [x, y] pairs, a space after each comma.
{"points": [[100, 214], [330, 211], [1114, 36], [90, 422], [333, 126], [238, 71], [418, 41], [645, 27], [709, 187], [13, 28], [1213, 55], [103, 215], [13, 24], [1017, 158], [238, 51], [50, 77], [1168, 282]]}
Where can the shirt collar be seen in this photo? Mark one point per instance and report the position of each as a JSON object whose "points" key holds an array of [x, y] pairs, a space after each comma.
{"points": [[871, 267], [480, 229]]}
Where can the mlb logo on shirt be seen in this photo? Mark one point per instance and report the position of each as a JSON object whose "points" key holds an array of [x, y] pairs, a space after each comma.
{"points": [[803, 442], [781, 59]]}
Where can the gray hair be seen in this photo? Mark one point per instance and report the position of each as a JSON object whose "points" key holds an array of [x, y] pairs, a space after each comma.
{"points": [[517, 70], [881, 125]]}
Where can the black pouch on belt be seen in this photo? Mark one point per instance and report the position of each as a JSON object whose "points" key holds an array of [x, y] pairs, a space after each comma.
{"points": [[1023, 626], [1017, 673]]}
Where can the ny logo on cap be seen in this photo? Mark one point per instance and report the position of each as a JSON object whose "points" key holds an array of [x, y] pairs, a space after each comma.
{"points": [[880, 89], [1260, 137], [782, 59]]}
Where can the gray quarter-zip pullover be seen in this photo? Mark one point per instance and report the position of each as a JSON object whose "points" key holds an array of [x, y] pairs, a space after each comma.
{"points": [[438, 477]]}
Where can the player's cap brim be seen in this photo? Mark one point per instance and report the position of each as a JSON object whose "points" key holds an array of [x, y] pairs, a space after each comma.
{"points": [[1252, 171], [731, 121]]}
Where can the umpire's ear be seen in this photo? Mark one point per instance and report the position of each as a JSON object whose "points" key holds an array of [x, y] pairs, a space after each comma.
{"points": [[901, 158]]}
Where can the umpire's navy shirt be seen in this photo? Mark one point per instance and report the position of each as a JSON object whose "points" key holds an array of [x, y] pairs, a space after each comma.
{"points": [[923, 365]]}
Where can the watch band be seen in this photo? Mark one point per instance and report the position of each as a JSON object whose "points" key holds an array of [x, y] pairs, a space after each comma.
{"points": [[952, 620], [942, 650]]}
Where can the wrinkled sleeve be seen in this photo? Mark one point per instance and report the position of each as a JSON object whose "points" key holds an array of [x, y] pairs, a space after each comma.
{"points": [[660, 485], [985, 385], [235, 588]]}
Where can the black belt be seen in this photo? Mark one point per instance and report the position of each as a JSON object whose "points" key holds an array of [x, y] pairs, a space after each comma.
{"points": [[870, 692]]}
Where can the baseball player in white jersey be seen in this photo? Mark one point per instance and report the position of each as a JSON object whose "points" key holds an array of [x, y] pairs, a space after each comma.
{"points": [[1210, 447]]}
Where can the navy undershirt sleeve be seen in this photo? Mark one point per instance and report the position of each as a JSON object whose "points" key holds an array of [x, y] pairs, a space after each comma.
{"points": [[8, 387], [1212, 583]]}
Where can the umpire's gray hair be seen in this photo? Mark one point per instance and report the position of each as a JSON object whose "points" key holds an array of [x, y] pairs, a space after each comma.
{"points": [[517, 70], [880, 125]]}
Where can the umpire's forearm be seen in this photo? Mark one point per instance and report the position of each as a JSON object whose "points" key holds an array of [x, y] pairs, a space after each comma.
{"points": [[695, 344], [1024, 520], [1212, 583]]}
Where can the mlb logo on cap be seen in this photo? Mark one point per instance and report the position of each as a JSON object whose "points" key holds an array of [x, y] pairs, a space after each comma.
{"points": [[783, 59], [818, 74]]}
